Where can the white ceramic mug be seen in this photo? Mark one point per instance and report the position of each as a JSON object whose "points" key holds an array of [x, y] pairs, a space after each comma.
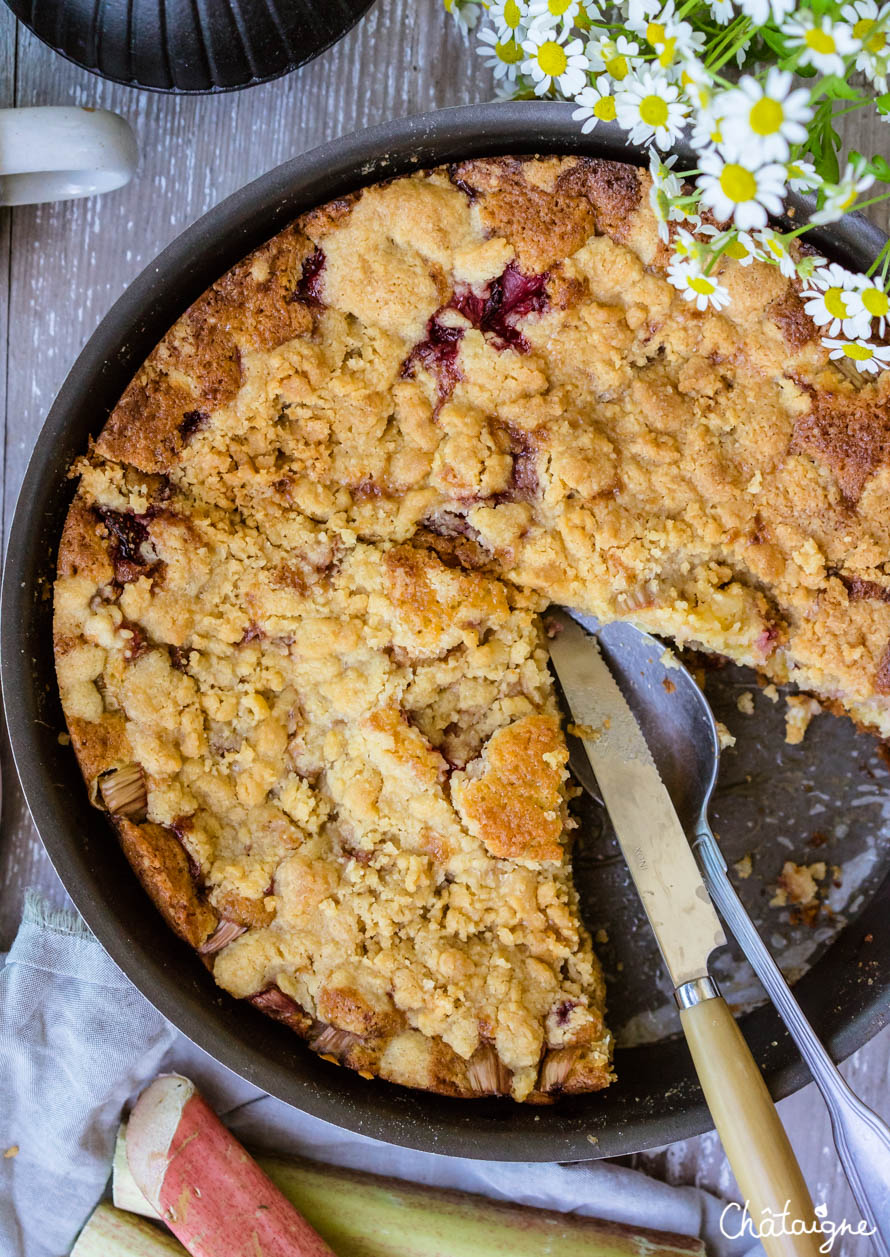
{"points": [[58, 152]]}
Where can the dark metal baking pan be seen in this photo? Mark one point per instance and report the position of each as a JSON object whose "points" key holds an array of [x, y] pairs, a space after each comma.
{"points": [[773, 800], [180, 46]]}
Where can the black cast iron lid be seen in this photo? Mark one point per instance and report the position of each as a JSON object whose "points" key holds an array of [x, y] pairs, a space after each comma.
{"points": [[180, 46]]}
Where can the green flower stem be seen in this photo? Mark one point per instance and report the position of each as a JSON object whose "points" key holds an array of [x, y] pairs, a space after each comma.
{"points": [[729, 33], [884, 256], [743, 36], [861, 205]]}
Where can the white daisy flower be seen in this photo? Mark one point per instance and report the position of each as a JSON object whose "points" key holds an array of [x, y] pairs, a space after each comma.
{"points": [[553, 62], [595, 104], [870, 27], [657, 23], [508, 18], [639, 12], [674, 41], [650, 109], [703, 290], [697, 82], [867, 357], [824, 44], [834, 302], [738, 245], [688, 248], [465, 14], [802, 176], [808, 264], [707, 128], [762, 120], [841, 197], [722, 11], [760, 11], [875, 302], [774, 248], [746, 196], [551, 13], [503, 56], [666, 187], [615, 57]]}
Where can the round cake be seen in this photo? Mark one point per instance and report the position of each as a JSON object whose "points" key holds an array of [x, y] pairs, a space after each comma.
{"points": [[298, 623]]}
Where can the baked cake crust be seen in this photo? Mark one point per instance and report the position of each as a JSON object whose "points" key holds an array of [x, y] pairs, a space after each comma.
{"points": [[297, 614]]}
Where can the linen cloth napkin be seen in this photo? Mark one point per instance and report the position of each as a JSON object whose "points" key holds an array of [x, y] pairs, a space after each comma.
{"points": [[78, 1042]]}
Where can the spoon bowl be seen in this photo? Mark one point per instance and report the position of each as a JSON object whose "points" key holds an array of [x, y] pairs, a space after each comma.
{"points": [[673, 713]]}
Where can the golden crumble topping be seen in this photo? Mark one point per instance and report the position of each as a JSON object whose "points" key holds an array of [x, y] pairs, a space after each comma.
{"points": [[297, 608]]}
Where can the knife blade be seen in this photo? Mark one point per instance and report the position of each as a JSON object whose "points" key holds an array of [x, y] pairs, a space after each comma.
{"points": [[653, 841]]}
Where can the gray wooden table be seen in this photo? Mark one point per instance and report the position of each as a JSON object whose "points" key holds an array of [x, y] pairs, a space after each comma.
{"points": [[62, 266]]}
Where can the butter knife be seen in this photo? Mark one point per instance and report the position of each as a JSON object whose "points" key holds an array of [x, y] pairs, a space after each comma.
{"points": [[687, 929]]}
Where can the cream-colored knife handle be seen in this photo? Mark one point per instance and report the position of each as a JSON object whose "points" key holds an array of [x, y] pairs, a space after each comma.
{"points": [[752, 1135]]}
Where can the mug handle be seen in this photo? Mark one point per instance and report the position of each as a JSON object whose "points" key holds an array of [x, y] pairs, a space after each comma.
{"points": [[58, 152]]}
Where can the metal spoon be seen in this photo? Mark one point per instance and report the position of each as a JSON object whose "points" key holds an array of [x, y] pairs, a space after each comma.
{"points": [[682, 735]]}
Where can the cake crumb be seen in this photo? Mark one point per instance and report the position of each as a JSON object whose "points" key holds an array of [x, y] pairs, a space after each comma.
{"points": [[668, 659], [64, 739], [745, 703], [797, 883], [800, 711], [601, 937], [11, 1151], [724, 737], [797, 887], [745, 866], [770, 692]]}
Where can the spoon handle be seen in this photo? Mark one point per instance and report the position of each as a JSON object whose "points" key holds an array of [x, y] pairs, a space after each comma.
{"points": [[862, 1139]]}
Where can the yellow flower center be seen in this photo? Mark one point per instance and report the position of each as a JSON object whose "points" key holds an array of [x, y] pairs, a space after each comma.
{"points": [[618, 68], [512, 16], [653, 111], [820, 41], [736, 250], [776, 248], [737, 183], [835, 303], [509, 52], [848, 201], [666, 56], [859, 353], [874, 40], [552, 59], [604, 109], [876, 302], [698, 283], [700, 92], [655, 33], [559, 7], [766, 117]]}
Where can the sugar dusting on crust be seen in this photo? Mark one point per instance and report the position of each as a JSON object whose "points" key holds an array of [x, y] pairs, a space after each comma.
{"points": [[300, 586]]}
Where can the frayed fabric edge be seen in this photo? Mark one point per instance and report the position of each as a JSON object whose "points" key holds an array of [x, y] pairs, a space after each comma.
{"points": [[38, 911]]}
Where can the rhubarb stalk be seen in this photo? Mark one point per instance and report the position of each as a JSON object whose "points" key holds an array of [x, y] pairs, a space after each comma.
{"points": [[204, 1185], [366, 1215]]}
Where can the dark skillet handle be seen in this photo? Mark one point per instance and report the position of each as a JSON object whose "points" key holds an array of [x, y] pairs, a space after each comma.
{"points": [[862, 1139]]}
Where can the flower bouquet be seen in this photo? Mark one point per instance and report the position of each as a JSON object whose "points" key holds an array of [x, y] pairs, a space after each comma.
{"points": [[756, 88]]}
